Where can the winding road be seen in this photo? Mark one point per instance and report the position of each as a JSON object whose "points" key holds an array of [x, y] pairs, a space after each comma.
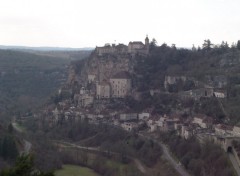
{"points": [[166, 153], [234, 163], [176, 165], [27, 144]]}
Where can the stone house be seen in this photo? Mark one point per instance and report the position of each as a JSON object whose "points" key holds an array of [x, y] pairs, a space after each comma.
{"points": [[120, 85], [91, 78], [161, 121], [107, 49], [128, 126], [153, 127], [128, 117], [85, 100], [135, 46], [236, 131], [103, 90], [219, 94], [198, 93], [223, 130], [112, 49], [143, 116], [83, 91], [199, 120], [203, 121], [188, 133], [170, 80], [121, 49]]}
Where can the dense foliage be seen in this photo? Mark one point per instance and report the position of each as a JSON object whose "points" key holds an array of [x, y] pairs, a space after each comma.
{"points": [[24, 166], [199, 64], [8, 147], [26, 80], [207, 159]]}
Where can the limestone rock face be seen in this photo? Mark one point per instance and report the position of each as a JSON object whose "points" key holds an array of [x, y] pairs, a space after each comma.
{"points": [[105, 66]]}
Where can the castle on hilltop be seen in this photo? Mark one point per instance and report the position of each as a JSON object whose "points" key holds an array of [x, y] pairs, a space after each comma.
{"points": [[135, 47]]}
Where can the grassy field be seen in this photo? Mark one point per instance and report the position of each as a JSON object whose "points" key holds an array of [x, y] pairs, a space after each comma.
{"points": [[71, 170]]}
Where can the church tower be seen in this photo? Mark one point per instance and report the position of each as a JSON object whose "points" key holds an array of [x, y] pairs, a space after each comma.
{"points": [[147, 44], [147, 41]]}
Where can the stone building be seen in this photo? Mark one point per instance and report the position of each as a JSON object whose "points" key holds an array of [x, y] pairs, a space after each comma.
{"points": [[85, 100], [223, 130], [128, 126], [103, 90], [170, 80], [128, 117], [220, 94], [107, 49], [91, 78], [139, 47], [110, 49], [132, 48], [121, 48], [121, 85], [198, 93], [236, 131]]}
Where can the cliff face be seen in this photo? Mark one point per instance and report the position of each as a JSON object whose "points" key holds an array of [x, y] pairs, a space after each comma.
{"points": [[105, 66]]}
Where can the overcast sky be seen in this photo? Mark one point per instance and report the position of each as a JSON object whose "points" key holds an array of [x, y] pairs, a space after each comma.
{"points": [[87, 23]]}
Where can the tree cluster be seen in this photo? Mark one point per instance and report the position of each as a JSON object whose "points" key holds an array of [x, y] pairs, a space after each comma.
{"points": [[24, 166], [200, 160], [8, 148]]}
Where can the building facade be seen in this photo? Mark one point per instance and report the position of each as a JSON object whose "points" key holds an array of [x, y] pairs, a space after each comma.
{"points": [[103, 90], [132, 48], [120, 85], [138, 47]]}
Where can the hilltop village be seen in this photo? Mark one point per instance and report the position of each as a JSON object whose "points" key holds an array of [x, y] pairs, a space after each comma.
{"points": [[99, 91]]}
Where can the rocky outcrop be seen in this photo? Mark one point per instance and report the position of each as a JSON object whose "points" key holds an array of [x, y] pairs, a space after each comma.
{"points": [[105, 66]]}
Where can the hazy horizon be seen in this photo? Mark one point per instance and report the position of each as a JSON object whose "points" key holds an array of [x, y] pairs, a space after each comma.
{"points": [[78, 24]]}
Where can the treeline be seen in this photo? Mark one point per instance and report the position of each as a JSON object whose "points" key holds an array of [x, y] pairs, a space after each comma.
{"points": [[198, 63], [8, 147], [199, 159], [46, 155], [24, 166]]}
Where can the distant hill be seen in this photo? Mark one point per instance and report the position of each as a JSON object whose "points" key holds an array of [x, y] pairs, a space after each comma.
{"points": [[27, 79], [44, 48]]}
